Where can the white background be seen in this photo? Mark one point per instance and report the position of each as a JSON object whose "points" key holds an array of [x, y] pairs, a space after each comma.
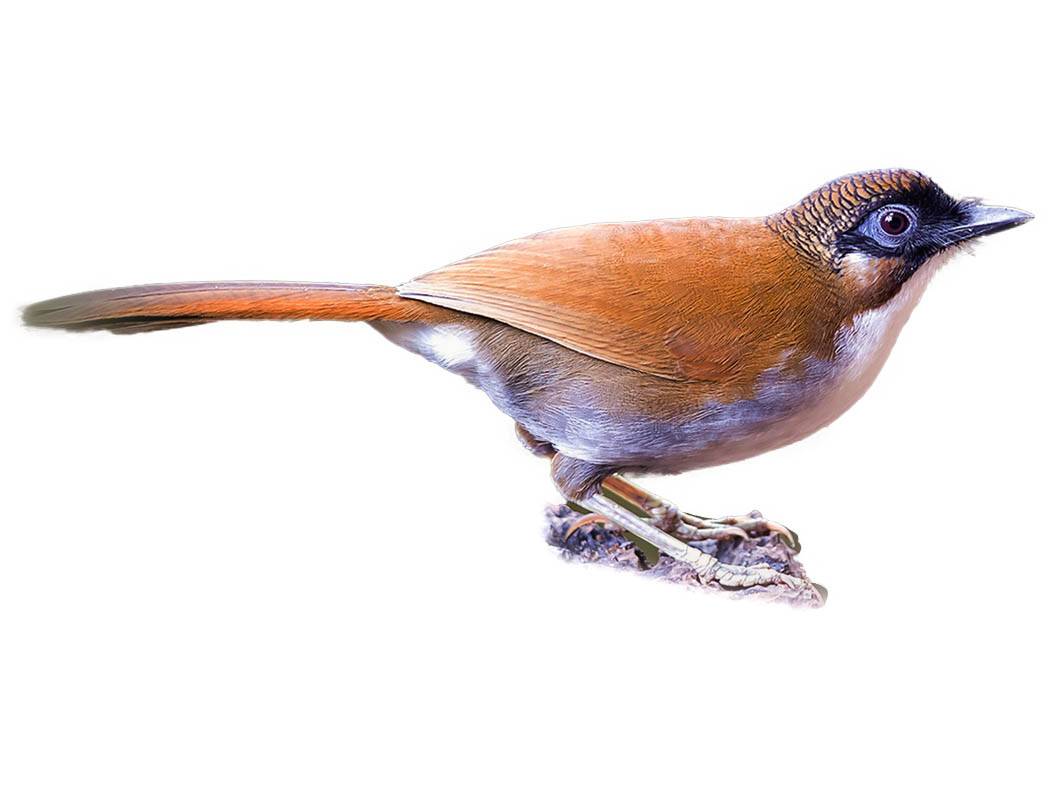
{"points": [[294, 556]]}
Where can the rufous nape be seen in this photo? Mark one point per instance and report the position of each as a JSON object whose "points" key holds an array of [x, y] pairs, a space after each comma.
{"points": [[641, 347]]}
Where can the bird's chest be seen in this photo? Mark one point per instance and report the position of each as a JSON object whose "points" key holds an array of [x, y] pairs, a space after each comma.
{"points": [[791, 402]]}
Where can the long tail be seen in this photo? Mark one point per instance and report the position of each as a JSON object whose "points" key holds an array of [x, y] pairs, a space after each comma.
{"points": [[171, 305]]}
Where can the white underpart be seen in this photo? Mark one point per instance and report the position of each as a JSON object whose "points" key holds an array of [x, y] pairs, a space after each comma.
{"points": [[449, 346]]}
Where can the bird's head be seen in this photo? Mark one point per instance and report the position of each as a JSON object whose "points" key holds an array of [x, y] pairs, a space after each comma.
{"points": [[875, 230]]}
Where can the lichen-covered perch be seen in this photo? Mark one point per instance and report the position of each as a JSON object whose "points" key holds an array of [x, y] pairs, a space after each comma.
{"points": [[594, 542]]}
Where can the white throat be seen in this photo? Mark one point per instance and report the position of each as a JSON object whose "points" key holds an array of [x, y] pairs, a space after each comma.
{"points": [[864, 345]]}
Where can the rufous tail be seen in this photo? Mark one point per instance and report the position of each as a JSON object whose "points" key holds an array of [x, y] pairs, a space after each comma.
{"points": [[171, 305]]}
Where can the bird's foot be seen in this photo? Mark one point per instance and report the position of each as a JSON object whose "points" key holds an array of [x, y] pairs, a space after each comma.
{"points": [[734, 577], [670, 519], [752, 525], [762, 567]]}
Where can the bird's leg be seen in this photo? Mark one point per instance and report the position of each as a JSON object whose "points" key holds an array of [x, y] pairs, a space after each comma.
{"points": [[663, 514], [668, 517], [657, 508], [706, 566]]}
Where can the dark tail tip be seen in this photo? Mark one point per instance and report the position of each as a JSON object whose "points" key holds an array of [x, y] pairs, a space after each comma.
{"points": [[51, 313], [91, 311]]}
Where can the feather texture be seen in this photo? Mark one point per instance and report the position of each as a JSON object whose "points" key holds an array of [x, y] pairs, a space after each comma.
{"points": [[687, 300], [171, 305]]}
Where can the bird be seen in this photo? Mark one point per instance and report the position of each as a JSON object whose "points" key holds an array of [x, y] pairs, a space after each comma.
{"points": [[641, 347]]}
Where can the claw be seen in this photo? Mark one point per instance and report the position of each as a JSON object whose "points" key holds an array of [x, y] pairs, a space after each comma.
{"points": [[583, 521], [788, 536]]}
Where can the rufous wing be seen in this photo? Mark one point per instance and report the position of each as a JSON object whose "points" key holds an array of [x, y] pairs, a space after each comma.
{"points": [[663, 297]]}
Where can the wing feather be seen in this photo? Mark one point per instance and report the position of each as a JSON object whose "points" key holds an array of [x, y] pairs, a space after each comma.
{"points": [[662, 297]]}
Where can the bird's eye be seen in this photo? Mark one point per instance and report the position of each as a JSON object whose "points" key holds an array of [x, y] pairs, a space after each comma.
{"points": [[894, 222], [889, 225]]}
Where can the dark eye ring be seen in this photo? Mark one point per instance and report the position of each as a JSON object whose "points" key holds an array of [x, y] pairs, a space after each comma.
{"points": [[894, 222]]}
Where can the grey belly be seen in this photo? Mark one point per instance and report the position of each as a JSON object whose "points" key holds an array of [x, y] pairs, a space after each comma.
{"points": [[607, 414]]}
